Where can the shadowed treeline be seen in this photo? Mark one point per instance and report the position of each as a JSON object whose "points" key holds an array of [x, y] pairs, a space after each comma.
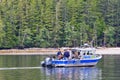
{"points": [[59, 23]]}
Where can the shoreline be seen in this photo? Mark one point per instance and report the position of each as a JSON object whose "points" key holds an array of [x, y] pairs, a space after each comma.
{"points": [[53, 51], [109, 51]]}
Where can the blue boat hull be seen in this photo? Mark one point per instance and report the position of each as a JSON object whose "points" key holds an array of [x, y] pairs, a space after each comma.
{"points": [[73, 62], [58, 63]]}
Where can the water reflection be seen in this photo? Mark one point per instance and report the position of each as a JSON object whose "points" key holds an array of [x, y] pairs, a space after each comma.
{"points": [[74, 73], [28, 68]]}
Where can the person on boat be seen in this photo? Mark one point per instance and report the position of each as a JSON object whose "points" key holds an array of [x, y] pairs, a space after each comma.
{"points": [[79, 55], [75, 55], [59, 54], [66, 54]]}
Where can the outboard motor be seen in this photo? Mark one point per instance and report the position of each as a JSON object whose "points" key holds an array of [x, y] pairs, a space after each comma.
{"points": [[43, 63], [48, 62]]}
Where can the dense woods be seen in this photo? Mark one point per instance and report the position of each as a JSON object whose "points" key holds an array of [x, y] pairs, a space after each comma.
{"points": [[59, 23]]}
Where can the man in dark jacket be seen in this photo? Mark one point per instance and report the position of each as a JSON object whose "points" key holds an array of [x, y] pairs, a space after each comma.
{"points": [[66, 54], [59, 54]]}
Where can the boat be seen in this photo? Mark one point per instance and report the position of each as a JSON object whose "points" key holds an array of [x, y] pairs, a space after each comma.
{"points": [[87, 57]]}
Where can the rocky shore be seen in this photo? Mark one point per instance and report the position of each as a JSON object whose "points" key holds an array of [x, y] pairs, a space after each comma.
{"points": [[50, 51], [109, 51]]}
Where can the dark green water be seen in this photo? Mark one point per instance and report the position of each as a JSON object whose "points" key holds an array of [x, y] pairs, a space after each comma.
{"points": [[28, 68]]}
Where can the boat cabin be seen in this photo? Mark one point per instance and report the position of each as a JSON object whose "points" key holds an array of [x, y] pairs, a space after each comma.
{"points": [[82, 52]]}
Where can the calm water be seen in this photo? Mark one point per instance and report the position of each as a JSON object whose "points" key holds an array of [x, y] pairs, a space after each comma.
{"points": [[28, 68]]}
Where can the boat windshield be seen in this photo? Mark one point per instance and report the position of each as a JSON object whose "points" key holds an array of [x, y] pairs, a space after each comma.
{"points": [[85, 51]]}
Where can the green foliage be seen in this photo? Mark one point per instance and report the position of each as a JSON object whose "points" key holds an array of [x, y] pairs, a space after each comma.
{"points": [[59, 23]]}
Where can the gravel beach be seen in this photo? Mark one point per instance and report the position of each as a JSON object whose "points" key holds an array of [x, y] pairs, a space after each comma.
{"points": [[108, 51], [50, 51]]}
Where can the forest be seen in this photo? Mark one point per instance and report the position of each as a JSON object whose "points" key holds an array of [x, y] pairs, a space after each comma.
{"points": [[59, 23]]}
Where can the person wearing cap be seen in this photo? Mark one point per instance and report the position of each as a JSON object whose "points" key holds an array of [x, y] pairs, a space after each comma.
{"points": [[59, 54]]}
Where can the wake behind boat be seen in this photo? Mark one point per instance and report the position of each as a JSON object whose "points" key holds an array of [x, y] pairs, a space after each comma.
{"points": [[77, 57]]}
